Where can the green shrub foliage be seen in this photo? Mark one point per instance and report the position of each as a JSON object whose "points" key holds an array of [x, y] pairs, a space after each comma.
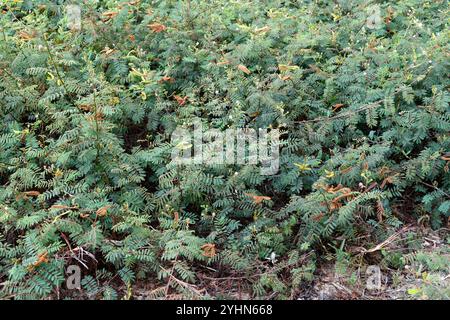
{"points": [[85, 153]]}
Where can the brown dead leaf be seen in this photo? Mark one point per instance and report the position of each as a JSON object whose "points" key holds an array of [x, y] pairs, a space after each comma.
{"points": [[157, 27], [102, 211], [109, 15], [258, 199], [244, 69], [61, 206], [181, 100], [41, 258], [365, 165], [386, 181], [223, 62], [335, 205], [166, 79], [318, 217], [346, 170], [31, 193], [209, 250], [262, 30], [344, 193], [96, 116], [380, 211], [27, 36], [85, 107], [337, 106], [338, 188], [107, 51], [346, 196], [284, 78]]}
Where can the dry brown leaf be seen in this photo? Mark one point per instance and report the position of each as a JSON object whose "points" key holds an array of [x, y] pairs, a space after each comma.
{"points": [[85, 107], [26, 36], [102, 211], [61, 206], [157, 27], [346, 170], [223, 62], [96, 117], [31, 193], [386, 181], [380, 211], [347, 196], [335, 205], [262, 30], [110, 14], [181, 101], [166, 79], [107, 51], [339, 187], [209, 250], [244, 69], [41, 258], [345, 193], [371, 186], [337, 106], [284, 78], [258, 199], [365, 166], [287, 67], [318, 217]]}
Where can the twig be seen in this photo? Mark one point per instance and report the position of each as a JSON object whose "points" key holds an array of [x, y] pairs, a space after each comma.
{"points": [[385, 242], [180, 282], [434, 187]]}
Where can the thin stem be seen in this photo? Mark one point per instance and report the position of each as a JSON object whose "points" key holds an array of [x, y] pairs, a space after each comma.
{"points": [[97, 136], [52, 61], [4, 34], [435, 188]]}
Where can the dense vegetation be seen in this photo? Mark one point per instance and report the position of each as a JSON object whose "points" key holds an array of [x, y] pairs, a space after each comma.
{"points": [[359, 90]]}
